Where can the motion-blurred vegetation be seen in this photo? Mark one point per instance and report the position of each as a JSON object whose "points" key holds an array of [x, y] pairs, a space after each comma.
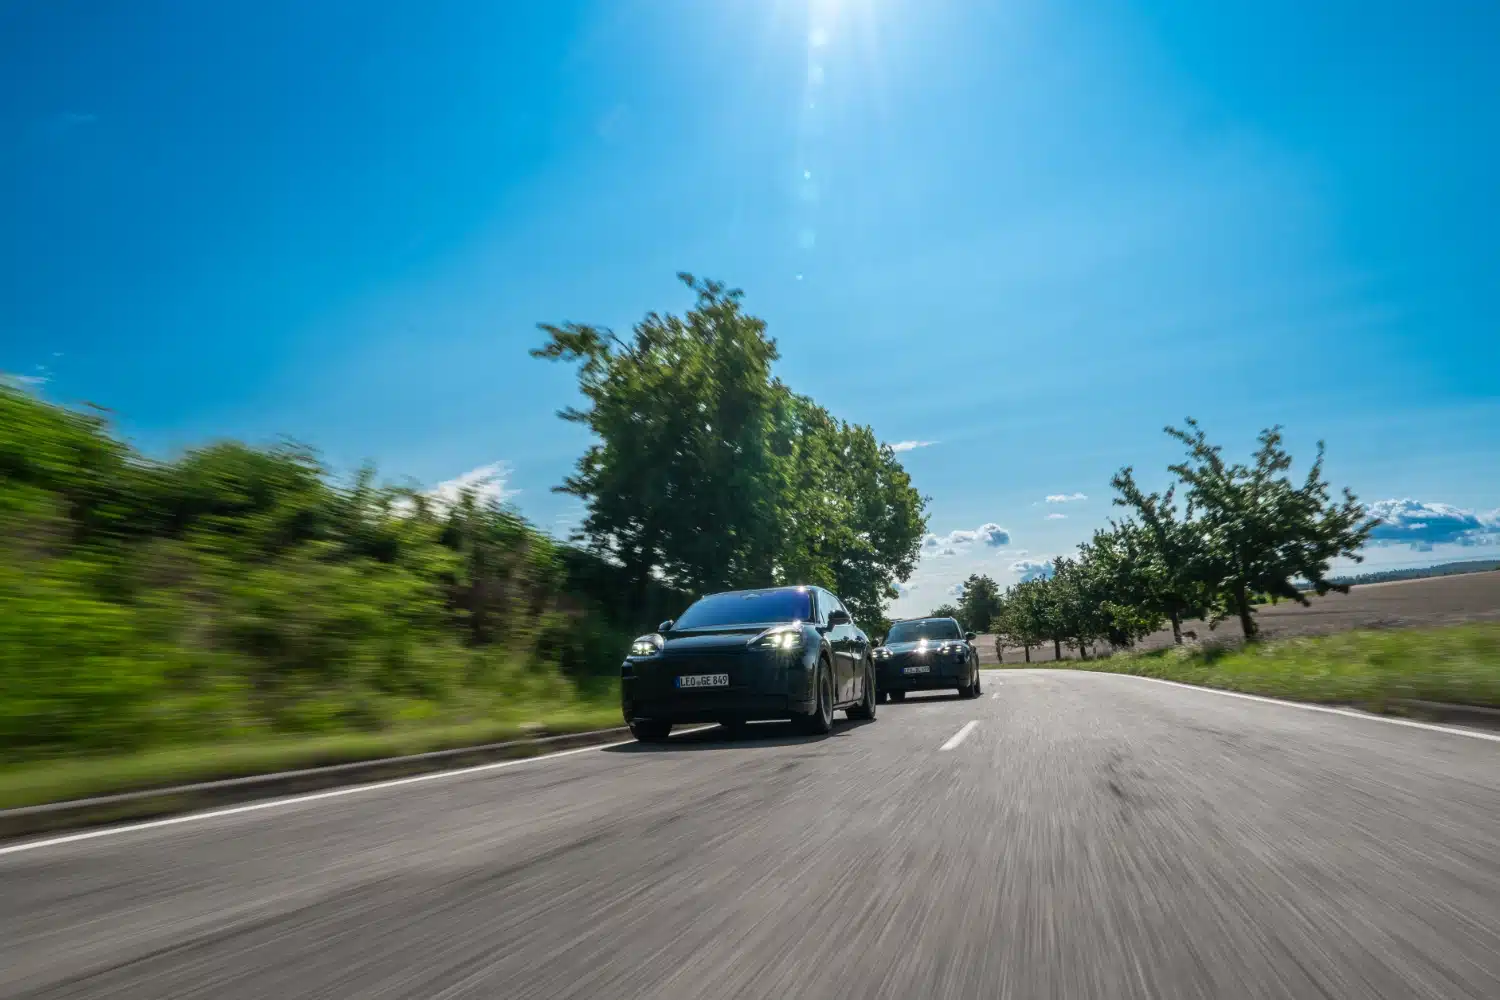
{"points": [[238, 593]]}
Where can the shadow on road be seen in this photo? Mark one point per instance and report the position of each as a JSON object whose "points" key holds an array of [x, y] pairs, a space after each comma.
{"points": [[756, 734]]}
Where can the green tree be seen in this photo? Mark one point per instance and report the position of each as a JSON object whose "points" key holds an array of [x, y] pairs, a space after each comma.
{"points": [[1261, 531], [709, 473], [947, 611], [979, 602], [1021, 619], [682, 479], [1169, 554], [1121, 580]]}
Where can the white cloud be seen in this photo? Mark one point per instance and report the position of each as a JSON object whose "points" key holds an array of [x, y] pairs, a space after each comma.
{"points": [[1065, 497], [957, 590], [911, 445], [1029, 569], [1423, 524], [991, 534], [1057, 517], [487, 483]]}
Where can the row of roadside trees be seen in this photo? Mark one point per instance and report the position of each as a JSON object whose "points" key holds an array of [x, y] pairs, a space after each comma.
{"points": [[1223, 537]]}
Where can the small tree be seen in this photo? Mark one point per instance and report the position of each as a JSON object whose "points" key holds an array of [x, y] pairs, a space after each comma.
{"points": [[1171, 553], [1259, 531], [979, 602], [1021, 621]]}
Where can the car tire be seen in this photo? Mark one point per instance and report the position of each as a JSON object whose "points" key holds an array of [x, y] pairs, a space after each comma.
{"points": [[865, 710], [978, 682], [820, 720], [898, 696], [650, 730]]}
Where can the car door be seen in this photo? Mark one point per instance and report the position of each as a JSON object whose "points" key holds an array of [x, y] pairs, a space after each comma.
{"points": [[838, 641], [846, 646], [859, 648]]}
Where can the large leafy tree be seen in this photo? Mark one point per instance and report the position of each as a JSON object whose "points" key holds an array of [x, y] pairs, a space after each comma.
{"points": [[708, 472], [1261, 532], [979, 602], [682, 479]]}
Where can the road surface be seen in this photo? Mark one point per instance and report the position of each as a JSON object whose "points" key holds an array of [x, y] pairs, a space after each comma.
{"points": [[1067, 835]]}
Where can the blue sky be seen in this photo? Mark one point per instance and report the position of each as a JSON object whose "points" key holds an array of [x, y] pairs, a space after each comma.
{"points": [[1067, 224]]}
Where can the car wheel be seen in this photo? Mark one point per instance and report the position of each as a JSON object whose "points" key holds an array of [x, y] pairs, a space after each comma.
{"points": [[866, 708], [820, 721], [898, 696], [650, 730], [978, 687]]}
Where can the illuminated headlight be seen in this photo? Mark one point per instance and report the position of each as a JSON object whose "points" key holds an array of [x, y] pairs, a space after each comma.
{"points": [[647, 645], [882, 653], [781, 639]]}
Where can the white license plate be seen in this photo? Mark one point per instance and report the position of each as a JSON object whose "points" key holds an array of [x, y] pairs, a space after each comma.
{"points": [[703, 681], [919, 669]]}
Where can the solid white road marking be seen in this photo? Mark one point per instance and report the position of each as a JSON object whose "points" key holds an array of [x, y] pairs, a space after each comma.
{"points": [[1326, 709], [960, 736], [333, 793]]}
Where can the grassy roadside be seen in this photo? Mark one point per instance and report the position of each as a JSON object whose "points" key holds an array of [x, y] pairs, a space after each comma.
{"points": [[62, 779], [1459, 665]]}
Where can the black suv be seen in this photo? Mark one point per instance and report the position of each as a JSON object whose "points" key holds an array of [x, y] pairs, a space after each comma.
{"points": [[925, 654], [782, 653]]}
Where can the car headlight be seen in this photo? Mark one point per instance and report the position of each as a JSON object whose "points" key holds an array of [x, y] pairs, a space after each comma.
{"points": [[784, 638], [882, 653], [647, 645]]}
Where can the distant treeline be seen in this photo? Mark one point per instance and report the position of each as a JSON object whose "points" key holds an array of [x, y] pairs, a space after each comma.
{"points": [[1239, 535], [1421, 572]]}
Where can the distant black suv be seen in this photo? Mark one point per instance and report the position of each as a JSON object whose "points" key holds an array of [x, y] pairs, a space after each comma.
{"points": [[784, 653], [923, 654]]}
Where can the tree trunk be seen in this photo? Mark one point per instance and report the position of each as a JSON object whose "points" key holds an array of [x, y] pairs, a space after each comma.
{"points": [[1247, 620], [1028, 653], [1056, 648], [1176, 626]]}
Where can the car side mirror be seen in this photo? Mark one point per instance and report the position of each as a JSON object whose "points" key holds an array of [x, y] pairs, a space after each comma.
{"points": [[666, 626], [837, 618], [969, 636]]}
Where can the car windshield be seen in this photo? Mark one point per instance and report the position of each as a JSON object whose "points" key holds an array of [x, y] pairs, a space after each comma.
{"points": [[746, 608], [932, 628]]}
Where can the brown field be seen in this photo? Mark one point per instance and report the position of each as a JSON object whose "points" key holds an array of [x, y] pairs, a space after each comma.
{"points": [[1442, 600]]}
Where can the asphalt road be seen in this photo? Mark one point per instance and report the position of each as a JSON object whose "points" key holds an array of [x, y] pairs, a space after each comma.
{"points": [[1089, 836]]}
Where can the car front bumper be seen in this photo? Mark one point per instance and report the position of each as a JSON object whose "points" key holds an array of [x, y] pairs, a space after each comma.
{"points": [[762, 685], [890, 674]]}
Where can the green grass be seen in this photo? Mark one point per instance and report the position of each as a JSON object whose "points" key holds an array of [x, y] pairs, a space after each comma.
{"points": [[1458, 664], [64, 778]]}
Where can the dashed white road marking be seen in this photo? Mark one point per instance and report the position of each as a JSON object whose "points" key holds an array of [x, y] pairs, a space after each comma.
{"points": [[960, 736]]}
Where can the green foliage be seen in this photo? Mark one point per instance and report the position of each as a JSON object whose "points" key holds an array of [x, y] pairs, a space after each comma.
{"points": [[708, 473], [1259, 530], [1243, 536], [947, 611], [239, 593], [979, 602]]}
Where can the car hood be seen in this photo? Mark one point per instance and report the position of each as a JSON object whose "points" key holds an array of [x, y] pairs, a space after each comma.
{"points": [[719, 638]]}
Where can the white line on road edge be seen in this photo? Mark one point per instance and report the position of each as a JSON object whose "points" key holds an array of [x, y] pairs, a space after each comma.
{"points": [[374, 786], [960, 736], [1327, 709]]}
